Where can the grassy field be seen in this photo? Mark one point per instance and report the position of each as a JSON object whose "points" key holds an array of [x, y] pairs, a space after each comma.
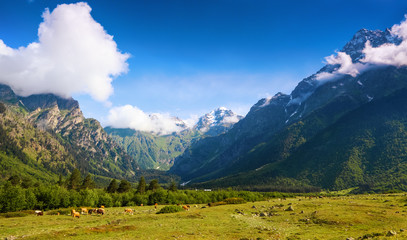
{"points": [[359, 217]]}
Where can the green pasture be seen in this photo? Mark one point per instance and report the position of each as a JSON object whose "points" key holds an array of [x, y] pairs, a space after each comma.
{"points": [[357, 217]]}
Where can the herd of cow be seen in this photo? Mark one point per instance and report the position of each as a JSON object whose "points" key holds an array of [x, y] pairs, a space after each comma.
{"points": [[100, 210]]}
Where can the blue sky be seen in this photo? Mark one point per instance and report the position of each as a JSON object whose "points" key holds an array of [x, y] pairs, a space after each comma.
{"points": [[189, 57]]}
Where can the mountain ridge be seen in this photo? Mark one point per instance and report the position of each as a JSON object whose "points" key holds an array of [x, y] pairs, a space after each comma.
{"points": [[269, 117]]}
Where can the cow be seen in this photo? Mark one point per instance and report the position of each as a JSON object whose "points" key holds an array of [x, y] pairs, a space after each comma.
{"points": [[100, 211], [92, 210], [185, 207], [39, 213], [155, 205], [84, 211], [75, 214], [128, 210]]}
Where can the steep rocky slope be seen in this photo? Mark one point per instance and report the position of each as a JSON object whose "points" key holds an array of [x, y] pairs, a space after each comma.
{"points": [[53, 132]]}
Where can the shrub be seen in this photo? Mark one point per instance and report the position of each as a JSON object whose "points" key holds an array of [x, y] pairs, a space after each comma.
{"points": [[213, 204], [14, 214], [62, 211], [234, 200], [170, 209]]}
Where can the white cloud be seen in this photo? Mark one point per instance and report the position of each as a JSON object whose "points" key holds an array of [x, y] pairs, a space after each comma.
{"points": [[132, 117], [231, 119], [346, 67], [388, 54], [191, 121], [74, 54]]}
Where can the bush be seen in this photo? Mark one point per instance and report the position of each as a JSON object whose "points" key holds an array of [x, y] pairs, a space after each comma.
{"points": [[170, 209], [62, 211], [14, 214], [214, 204], [234, 200]]}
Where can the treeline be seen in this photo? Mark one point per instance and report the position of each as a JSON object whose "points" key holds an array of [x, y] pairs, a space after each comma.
{"points": [[75, 192]]}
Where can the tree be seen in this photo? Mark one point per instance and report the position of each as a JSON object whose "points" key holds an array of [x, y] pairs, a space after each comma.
{"points": [[15, 180], [60, 181], [112, 188], [2, 108], [153, 185], [124, 186], [173, 186], [27, 182], [74, 180], [88, 183], [141, 188]]}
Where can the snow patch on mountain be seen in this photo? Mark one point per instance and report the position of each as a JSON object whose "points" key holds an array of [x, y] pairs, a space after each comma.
{"points": [[220, 119]]}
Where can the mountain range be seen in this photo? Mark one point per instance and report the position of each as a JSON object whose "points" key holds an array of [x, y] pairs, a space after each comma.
{"points": [[345, 131], [325, 133], [158, 151]]}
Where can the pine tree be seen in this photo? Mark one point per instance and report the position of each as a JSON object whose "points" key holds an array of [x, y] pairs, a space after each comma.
{"points": [[124, 186], [112, 188], [74, 180], [88, 183], [173, 186], [60, 181], [153, 185], [141, 188]]}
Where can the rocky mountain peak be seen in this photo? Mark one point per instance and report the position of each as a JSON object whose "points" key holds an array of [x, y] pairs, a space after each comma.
{"points": [[377, 38], [44, 101], [217, 121]]}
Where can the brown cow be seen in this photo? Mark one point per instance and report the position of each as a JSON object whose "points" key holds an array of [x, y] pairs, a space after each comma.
{"points": [[185, 207], [128, 210], [84, 211], [75, 214], [101, 211]]}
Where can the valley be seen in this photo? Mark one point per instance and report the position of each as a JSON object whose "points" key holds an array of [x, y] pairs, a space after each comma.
{"points": [[374, 216]]}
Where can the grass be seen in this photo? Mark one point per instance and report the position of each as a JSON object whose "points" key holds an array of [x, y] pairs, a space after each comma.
{"points": [[358, 216]]}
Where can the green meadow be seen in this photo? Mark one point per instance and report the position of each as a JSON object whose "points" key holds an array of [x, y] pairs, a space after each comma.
{"points": [[377, 216]]}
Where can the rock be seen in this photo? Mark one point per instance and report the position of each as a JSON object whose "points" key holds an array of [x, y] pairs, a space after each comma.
{"points": [[290, 208], [350, 238], [391, 233], [302, 211], [263, 214], [254, 206]]}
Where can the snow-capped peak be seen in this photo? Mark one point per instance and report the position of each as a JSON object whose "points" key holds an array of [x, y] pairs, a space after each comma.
{"points": [[220, 119]]}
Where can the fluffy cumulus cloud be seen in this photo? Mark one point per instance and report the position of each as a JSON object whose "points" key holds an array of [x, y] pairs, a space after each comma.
{"points": [[388, 54], [73, 54], [132, 117]]}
